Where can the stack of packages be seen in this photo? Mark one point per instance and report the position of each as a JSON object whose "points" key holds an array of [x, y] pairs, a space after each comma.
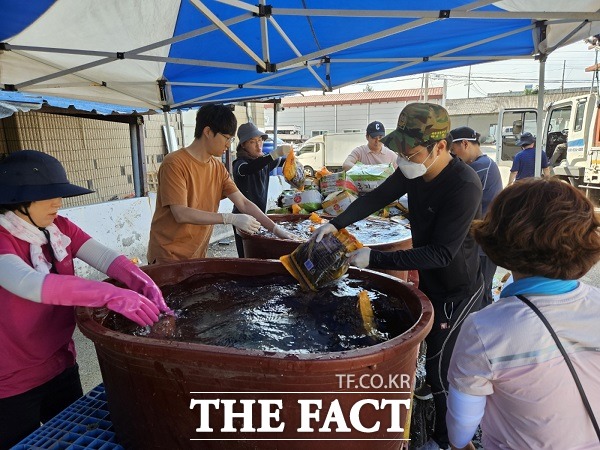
{"points": [[338, 192], [341, 189], [305, 197], [333, 192]]}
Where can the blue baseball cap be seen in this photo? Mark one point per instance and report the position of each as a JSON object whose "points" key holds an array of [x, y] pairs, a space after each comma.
{"points": [[375, 129]]}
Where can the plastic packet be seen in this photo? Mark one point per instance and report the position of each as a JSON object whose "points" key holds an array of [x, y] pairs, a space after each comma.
{"points": [[366, 312], [368, 177], [316, 264], [293, 171]]}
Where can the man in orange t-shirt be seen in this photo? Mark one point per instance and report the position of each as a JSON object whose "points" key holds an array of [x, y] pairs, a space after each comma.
{"points": [[191, 183]]}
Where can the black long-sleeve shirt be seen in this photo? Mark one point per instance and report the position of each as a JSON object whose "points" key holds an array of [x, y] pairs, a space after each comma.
{"points": [[441, 212], [251, 176]]}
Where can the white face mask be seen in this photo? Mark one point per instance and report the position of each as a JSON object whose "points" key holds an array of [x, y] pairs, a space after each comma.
{"points": [[413, 170]]}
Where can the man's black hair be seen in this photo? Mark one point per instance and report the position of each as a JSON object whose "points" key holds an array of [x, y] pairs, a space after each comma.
{"points": [[219, 118]]}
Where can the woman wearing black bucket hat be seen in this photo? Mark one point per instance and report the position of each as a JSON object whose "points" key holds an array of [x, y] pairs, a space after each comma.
{"points": [[38, 373]]}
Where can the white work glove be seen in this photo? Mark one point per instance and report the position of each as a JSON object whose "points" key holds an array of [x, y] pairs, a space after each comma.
{"points": [[243, 222], [282, 233], [322, 231], [282, 150], [360, 258]]}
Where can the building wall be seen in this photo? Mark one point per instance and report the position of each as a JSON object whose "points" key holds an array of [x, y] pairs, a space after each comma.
{"points": [[95, 153], [338, 118], [479, 122]]}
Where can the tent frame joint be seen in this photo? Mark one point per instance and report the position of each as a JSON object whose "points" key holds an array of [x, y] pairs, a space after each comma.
{"points": [[10, 88], [264, 11], [120, 55], [4, 47], [269, 67], [444, 14]]}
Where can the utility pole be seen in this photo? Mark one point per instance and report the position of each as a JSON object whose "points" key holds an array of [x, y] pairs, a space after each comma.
{"points": [[426, 87], [562, 85], [469, 84]]}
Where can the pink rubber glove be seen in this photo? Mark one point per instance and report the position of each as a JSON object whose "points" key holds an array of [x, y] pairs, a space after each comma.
{"points": [[69, 290], [123, 270]]}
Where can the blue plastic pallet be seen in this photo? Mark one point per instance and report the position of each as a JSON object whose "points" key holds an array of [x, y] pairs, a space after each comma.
{"points": [[83, 425]]}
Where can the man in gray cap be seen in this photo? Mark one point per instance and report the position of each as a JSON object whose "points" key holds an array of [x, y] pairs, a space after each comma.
{"points": [[524, 163], [373, 152]]}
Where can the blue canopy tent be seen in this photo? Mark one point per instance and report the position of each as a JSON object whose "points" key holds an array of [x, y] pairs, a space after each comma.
{"points": [[177, 53]]}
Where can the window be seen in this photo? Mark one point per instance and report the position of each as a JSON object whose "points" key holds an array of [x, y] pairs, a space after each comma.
{"points": [[319, 132], [352, 131], [310, 148], [579, 113], [559, 119]]}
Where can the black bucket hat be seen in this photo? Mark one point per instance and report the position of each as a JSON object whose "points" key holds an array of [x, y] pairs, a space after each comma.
{"points": [[29, 176], [526, 139]]}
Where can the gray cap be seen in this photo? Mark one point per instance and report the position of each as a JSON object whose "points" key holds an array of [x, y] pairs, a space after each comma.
{"points": [[248, 131]]}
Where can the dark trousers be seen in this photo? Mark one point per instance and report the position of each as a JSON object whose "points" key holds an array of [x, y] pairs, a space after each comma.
{"points": [[448, 317], [239, 243], [22, 414], [488, 269]]}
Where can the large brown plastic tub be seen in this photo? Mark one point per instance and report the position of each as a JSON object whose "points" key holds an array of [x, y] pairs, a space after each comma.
{"points": [[150, 383], [265, 247]]}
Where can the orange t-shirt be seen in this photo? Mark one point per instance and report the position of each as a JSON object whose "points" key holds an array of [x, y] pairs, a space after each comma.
{"points": [[183, 180]]}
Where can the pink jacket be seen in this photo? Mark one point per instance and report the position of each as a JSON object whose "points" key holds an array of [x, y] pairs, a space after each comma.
{"points": [[36, 340]]}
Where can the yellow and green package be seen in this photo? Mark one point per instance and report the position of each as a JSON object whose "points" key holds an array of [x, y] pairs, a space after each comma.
{"points": [[293, 171], [315, 264], [368, 177]]}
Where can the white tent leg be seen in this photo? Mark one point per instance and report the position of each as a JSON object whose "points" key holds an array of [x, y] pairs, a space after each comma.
{"points": [[539, 147]]}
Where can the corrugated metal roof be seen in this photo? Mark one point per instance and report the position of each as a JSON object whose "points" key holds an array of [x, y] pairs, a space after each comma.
{"points": [[65, 103], [399, 95], [493, 102]]}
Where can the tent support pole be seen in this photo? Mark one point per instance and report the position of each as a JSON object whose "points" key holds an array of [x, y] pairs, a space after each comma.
{"points": [[539, 148], [276, 104], [138, 156]]}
